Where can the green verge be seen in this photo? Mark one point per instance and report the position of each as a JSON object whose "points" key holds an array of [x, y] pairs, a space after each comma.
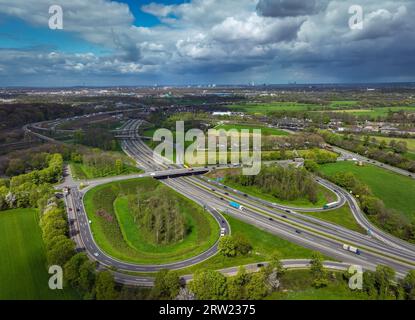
{"points": [[396, 191], [297, 285], [263, 244], [119, 237], [341, 216], [23, 267]]}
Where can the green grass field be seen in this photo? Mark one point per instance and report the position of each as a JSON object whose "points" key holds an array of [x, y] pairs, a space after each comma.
{"points": [[263, 245], [377, 112], [117, 234], [297, 285], [265, 108], [23, 268], [265, 131], [396, 191], [341, 216]]}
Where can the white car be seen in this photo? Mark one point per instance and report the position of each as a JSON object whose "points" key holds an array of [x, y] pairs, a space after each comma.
{"points": [[152, 174], [96, 254], [222, 232], [89, 221]]}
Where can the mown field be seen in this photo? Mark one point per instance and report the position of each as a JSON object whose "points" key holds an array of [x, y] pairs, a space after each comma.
{"points": [[396, 191], [118, 235], [23, 267], [265, 131], [380, 112], [263, 245], [265, 108]]}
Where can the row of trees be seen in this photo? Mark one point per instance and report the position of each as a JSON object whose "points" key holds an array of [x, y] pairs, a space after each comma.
{"points": [[388, 219], [213, 285], [31, 189], [159, 216], [100, 164], [283, 183], [377, 151], [380, 284]]}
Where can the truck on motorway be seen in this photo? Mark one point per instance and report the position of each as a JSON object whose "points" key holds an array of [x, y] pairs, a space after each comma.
{"points": [[351, 249], [329, 205], [236, 205]]}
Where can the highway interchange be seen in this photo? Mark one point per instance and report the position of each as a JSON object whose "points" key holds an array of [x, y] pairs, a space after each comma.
{"points": [[286, 222]]}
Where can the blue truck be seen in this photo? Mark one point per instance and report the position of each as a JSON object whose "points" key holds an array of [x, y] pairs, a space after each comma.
{"points": [[236, 205]]}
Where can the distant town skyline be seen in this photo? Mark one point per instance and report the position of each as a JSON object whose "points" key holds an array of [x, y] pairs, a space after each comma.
{"points": [[172, 42]]}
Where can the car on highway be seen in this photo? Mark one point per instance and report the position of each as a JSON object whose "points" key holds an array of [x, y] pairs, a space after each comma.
{"points": [[222, 232], [297, 231], [270, 219], [96, 254], [152, 174], [284, 216]]}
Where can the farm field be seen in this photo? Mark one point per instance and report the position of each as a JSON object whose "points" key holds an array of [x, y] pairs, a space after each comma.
{"points": [[377, 112], [265, 131], [396, 191], [265, 108], [23, 269], [118, 235]]}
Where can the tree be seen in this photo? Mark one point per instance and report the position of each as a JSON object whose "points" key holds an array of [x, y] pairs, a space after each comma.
{"points": [[209, 285], [237, 285], [256, 288], [61, 252], [105, 286], [242, 244], [72, 267], [166, 285], [384, 277], [317, 270], [408, 285], [227, 246]]}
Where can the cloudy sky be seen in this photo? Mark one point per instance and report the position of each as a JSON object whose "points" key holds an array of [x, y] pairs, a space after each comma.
{"points": [[133, 42]]}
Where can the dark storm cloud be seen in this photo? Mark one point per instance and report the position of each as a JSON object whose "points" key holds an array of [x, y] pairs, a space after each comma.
{"points": [[290, 8]]}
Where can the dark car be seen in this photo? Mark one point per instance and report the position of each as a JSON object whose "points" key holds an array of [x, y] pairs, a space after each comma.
{"points": [[226, 193], [260, 265], [270, 219], [286, 210], [297, 231], [284, 216], [221, 198], [213, 189], [245, 195]]}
